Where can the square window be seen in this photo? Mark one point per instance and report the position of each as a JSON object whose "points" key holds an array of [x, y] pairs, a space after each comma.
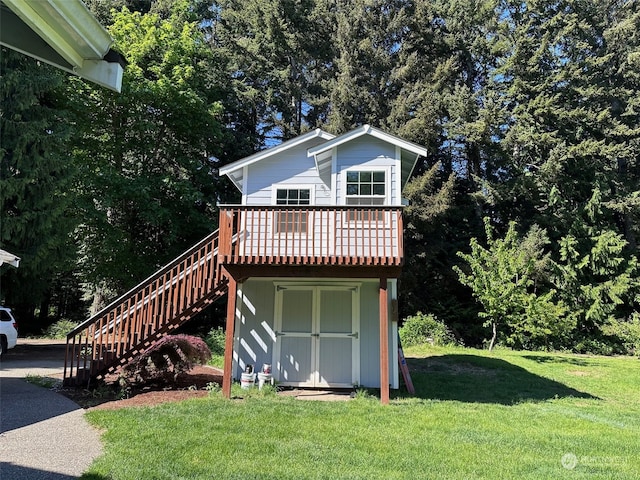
{"points": [[366, 183]]}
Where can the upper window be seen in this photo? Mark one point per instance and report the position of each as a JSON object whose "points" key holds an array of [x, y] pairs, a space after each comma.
{"points": [[366, 184], [366, 188], [293, 196]]}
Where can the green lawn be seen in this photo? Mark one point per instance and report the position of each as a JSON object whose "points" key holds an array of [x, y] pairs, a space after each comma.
{"points": [[504, 415]]}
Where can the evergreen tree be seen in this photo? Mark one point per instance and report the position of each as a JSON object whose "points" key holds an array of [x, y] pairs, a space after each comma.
{"points": [[276, 53], [36, 174]]}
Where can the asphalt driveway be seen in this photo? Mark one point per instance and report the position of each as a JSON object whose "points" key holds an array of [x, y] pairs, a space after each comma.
{"points": [[43, 435]]}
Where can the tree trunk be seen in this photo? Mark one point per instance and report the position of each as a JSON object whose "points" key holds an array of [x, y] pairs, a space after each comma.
{"points": [[493, 338]]}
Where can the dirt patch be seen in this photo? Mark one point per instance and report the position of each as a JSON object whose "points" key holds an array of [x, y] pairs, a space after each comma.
{"points": [[109, 396]]}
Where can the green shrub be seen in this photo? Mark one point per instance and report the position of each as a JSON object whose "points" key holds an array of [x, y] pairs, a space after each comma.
{"points": [[425, 328], [59, 329], [215, 340], [167, 358]]}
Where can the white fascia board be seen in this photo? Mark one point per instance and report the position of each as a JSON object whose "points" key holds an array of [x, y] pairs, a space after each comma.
{"points": [[70, 29], [10, 258], [256, 157], [66, 25], [107, 74], [374, 132]]}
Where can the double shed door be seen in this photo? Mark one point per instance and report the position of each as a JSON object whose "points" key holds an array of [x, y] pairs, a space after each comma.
{"points": [[317, 338]]}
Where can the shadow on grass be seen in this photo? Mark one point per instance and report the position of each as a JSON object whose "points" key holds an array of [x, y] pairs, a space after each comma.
{"points": [[476, 379], [558, 359]]}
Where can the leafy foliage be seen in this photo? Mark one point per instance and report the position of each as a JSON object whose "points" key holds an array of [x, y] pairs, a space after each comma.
{"points": [[420, 328], [215, 341], [147, 155], [36, 215], [60, 329], [165, 360], [504, 277]]}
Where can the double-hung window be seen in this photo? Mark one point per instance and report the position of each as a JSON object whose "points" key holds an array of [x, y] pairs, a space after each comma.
{"points": [[292, 220], [366, 187]]}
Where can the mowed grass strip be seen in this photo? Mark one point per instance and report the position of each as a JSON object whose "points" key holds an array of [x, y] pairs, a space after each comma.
{"points": [[477, 415]]}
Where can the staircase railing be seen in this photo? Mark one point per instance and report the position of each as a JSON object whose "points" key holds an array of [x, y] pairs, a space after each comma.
{"points": [[159, 304]]}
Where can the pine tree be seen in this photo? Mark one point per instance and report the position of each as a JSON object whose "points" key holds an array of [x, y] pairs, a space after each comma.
{"points": [[35, 179]]}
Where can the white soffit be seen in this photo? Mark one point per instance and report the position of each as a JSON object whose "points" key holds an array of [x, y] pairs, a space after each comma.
{"points": [[62, 33]]}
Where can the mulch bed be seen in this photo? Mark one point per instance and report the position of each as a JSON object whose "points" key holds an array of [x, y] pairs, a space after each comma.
{"points": [[107, 397]]}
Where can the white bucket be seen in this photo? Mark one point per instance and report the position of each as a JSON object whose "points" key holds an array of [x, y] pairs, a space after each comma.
{"points": [[264, 378], [247, 380]]}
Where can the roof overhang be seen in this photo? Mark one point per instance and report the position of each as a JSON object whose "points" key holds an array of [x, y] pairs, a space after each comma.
{"points": [[409, 152], [10, 258], [235, 170], [62, 33]]}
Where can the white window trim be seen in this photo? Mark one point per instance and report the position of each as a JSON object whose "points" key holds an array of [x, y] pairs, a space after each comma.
{"points": [[362, 168], [293, 186], [310, 218]]}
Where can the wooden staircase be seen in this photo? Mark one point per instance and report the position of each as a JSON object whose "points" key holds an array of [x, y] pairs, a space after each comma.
{"points": [[147, 312]]}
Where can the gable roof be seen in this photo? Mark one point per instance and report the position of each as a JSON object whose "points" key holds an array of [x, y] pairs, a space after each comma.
{"points": [[62, 33], [374, 132], [235, 170], [409, 151]]}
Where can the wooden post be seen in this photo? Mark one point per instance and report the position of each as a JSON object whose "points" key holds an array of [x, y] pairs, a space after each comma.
{"points": [[384, 342], [228, 344]]}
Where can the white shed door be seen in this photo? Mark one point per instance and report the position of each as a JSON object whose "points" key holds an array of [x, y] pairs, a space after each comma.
{"points": [[317, 339]]}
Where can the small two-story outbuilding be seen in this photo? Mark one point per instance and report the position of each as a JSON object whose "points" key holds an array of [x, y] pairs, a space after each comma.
{"points": [[313, 255]]}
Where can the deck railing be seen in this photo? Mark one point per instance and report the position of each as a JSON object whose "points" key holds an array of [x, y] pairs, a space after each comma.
{"points": [[157, 305], [311, 235]]}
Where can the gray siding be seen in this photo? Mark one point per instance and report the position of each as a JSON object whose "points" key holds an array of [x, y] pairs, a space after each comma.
{"points": [[367, 152], [291, 167], [253, 343], [254, 333]]}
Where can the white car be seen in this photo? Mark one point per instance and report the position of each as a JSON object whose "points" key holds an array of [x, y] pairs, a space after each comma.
{"points": [[8, 330]]}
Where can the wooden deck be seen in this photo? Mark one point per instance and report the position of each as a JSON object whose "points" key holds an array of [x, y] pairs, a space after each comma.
{"points": [[311, 236]]}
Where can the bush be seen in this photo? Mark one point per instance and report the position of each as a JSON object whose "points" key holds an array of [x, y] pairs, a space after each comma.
{"points": [[215, 340], [59, 329], [421, 328], [167, 358]]}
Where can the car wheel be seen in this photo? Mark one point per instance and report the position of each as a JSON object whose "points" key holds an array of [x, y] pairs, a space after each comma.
{"points": [[3, 346]]}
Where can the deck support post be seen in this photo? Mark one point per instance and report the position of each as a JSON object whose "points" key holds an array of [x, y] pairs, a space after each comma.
{"points": [[384, 341], [228, 343]]}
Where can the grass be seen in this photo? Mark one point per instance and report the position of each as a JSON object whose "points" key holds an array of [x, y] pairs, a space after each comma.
{"points": [[476, 415], [40, 381]]}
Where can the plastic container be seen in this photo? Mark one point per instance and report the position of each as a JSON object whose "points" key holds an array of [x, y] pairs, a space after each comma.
{"points": [[264, 378], [247, 380]]}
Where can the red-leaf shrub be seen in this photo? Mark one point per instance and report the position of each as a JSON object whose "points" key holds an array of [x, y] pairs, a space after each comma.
{"points": [[167, 358]]}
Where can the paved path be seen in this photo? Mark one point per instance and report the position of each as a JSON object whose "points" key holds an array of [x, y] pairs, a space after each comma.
{"points": [[43, 435]]}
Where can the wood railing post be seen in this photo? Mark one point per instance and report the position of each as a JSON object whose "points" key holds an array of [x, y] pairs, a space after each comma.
{"points": [[384, 341], [228, 343]]}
